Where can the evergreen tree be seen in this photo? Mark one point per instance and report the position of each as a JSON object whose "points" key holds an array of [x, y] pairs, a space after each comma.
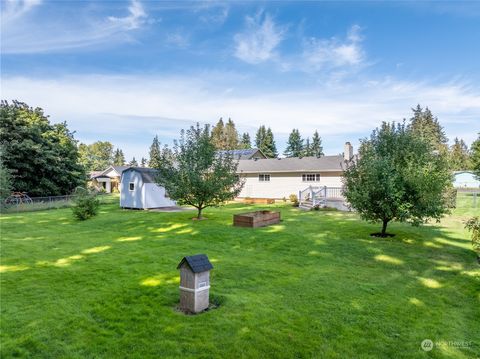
{"points": [[231, 136], [397, 177], [43, 157], [218, 135], [133, 162], [475, 156], [426, 126], [143, 162], [307, 149], [265, 142], [294, 144], [118, 158], [316, 147], [459, 156], [195, 175], [155, 153], [246, 143]]}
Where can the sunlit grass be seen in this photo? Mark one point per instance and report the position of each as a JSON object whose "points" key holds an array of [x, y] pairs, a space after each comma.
{"points": [[315, 286]]}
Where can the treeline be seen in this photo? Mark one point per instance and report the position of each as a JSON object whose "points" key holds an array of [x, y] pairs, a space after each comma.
{"points": [[44, 159]]}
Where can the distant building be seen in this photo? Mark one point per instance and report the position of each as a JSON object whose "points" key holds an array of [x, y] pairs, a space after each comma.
{"points": [[109, 179], [465, 179], [138, 190], [280, 177]]}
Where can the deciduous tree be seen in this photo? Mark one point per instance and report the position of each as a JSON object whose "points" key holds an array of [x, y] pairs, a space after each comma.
{"points": [[43, 157], [475, 156], [397, 177], [194, 174]]}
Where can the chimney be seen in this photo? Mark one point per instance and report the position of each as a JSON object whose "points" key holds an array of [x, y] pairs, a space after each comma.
{"points": [[348, 151]]}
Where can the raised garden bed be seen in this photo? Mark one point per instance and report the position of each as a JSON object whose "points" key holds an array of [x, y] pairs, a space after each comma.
{"points": [[259, 200], [256, 219]]}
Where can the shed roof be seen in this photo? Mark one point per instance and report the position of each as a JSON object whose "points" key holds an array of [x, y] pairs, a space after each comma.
{"points": [[197, 263], [148, 174], [292, 164]]}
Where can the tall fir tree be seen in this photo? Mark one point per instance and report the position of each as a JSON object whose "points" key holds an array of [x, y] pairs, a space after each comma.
{"points": [[307, 148], [231, 136], [316, 147], [459, 156], [475, 156], [265, 142], [246, 142], [218, 135], [133, 162], [143, 162], [118, 158], [294, 144], [155, 153], [424, 125]]}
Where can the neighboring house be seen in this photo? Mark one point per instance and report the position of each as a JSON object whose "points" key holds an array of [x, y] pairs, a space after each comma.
{"points": [[465, 179], [109, 179], [138, 190], [280, 177], [247, 154]]}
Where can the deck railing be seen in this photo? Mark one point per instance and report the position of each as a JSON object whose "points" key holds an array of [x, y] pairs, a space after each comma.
{"points": [[318, 195]]}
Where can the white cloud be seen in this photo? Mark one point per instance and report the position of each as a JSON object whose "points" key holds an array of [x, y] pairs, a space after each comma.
{"points": [[333, 53], [135, 18], [26, 35], [13, 9], [257, 43], [131, 109]]}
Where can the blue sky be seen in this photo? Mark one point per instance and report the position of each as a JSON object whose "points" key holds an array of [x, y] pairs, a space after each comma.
{"points": [[124, 71]]}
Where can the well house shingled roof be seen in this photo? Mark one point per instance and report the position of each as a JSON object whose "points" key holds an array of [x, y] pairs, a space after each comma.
{"points": [[197, 263]]}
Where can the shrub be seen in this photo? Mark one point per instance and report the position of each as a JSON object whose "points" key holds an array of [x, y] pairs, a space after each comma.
{"points": [[85, 204], [473, 225], [294, 199]]}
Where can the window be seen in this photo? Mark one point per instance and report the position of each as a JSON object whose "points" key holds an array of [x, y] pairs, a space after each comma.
{"points": [[131, 186], [311, 177], [264, 178]]}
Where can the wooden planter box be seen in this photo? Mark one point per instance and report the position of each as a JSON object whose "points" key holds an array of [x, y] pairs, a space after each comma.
{"points": [[256, 219], [259, 200]]}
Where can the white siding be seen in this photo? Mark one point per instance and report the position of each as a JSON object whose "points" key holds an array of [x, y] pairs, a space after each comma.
{"points": [[284, 184], [155, 196]]}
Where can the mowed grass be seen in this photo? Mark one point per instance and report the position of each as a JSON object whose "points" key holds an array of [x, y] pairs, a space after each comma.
{"points": [[316, 285]]}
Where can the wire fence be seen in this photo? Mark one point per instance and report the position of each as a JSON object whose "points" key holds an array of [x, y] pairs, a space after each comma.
{"points": [[468, 199], [43, 203]]}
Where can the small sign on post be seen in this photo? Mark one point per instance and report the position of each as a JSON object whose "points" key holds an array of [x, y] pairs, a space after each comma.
{"points": [[194, 283]]}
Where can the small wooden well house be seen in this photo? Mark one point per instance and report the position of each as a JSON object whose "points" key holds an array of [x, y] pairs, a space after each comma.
{"points": [[194, 283]]}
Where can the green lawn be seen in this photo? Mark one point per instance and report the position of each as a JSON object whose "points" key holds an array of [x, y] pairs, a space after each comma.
{"points": [[317, 285]]}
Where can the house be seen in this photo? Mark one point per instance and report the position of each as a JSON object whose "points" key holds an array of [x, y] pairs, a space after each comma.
{"points": [[465, 179], [138, 190], [278, 178], [246, 154], [109, 179]]}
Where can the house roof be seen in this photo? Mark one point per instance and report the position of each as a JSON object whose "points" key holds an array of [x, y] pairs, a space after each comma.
{"points": [[148, 174], [118, 169], [197, 263], [292, 164], [244, 154]]}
